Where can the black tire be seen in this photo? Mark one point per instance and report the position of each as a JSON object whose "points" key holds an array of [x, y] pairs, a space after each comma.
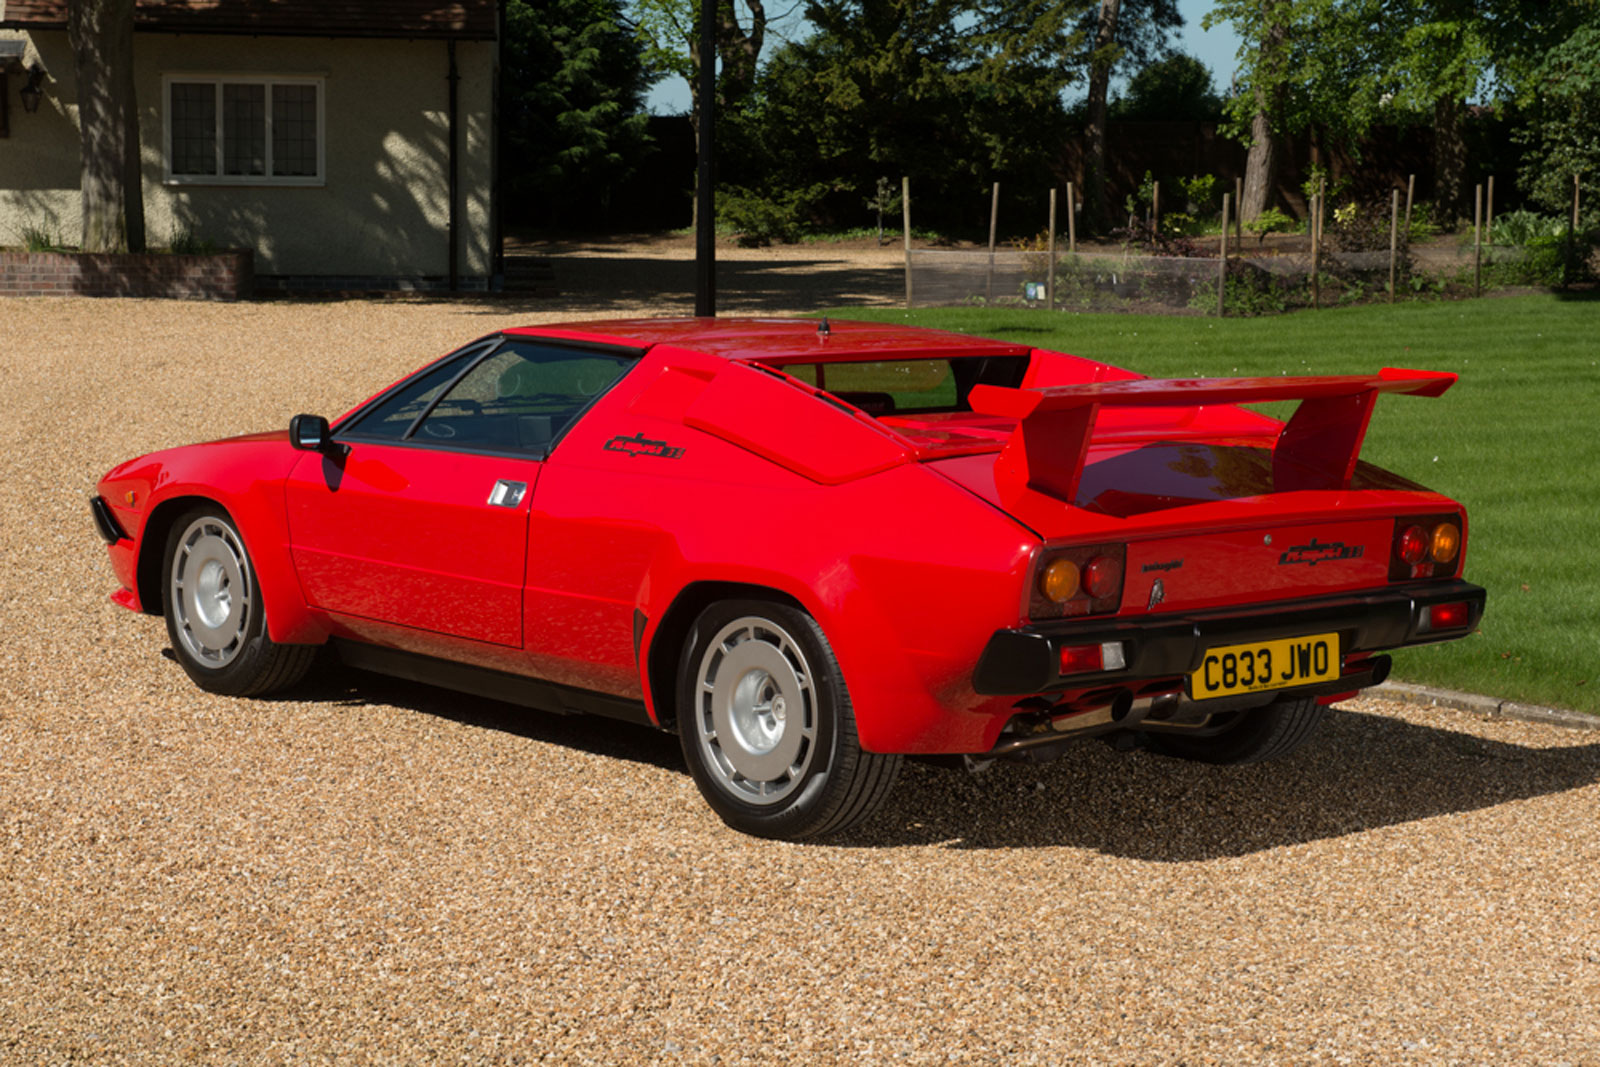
{"points": [[767, 769], [214, 614], [1258, 735]]}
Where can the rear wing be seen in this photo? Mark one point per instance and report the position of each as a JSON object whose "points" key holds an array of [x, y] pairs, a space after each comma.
{"points": [[1316, 449]]}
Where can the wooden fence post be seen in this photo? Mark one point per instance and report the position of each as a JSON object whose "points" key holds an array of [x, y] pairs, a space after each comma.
{"points": [[1050, 278], [1488, 214], [1222, 271], [1238, 212], [1155, 208], [905, 211], [1316, 247], [1411, 188], [994, 216], [1072, 220], [1477, 240], [1394, 242]]}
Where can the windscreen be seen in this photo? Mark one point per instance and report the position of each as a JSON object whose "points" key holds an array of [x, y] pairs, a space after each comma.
{"points": [[911, 386]]}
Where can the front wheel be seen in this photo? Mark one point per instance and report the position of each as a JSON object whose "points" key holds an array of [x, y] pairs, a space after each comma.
{"points": [[1257, 735], [767, 726], [214, 614]]}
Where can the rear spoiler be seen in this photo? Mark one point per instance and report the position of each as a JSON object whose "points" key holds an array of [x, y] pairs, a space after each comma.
{"points": [[1316, 449]]}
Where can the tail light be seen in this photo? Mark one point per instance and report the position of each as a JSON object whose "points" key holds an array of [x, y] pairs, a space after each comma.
{"points": [[1081, 580], [1454, 616], [1425, 546]]}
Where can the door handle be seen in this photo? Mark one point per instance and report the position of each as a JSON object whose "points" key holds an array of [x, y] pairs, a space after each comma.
{"points": [[507, 494]]}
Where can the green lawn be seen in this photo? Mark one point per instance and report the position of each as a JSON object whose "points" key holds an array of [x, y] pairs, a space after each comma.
{"points": [[1517, 440]]}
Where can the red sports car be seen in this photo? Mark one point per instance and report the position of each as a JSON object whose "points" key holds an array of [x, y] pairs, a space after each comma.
{"points": [[812, 549]]}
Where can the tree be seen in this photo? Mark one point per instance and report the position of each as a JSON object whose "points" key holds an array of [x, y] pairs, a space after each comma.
{"points": [[101, 36], [1562, 134], [1176, 88], [572, 99], [954, 93], [1121, 29]]}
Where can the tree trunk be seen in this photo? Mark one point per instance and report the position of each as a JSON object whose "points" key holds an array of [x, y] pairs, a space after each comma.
{"points": [[1449, 163], [739, 50], [101, 35], [1261, 163], [1095, 179]]}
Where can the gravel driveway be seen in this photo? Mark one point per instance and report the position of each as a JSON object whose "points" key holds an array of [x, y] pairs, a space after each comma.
{"points": [[374, 872]]}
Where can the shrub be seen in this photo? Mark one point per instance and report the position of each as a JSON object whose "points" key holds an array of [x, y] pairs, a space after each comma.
{"points": [[760, 218], [1269, 221], [185, 242], [39, 239], [1524, 227]]}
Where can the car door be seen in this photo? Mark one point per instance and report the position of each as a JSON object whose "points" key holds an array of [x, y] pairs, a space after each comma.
{"points": [[420, 517]]}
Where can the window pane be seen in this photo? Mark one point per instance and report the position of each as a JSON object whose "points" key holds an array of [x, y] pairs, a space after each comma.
{"points": [[244, 129], [294, 130], [194, 128], [394, 416], [521, 398]]}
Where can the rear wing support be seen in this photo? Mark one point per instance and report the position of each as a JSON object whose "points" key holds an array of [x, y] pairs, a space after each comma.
{"points": [[1316, 449]]}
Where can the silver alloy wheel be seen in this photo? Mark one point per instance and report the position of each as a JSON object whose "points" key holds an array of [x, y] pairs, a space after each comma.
{"points": [[211, 592], [755, 710]]}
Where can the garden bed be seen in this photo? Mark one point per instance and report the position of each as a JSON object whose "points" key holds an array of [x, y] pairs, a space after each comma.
{"points": [[225, 275]]}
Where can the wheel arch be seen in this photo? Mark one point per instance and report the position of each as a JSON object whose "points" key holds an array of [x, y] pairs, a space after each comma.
{"points": [[153, 544], [666, 640]]}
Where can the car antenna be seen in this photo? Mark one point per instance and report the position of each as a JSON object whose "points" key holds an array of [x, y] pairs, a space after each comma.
{"points": [[823, 329]]}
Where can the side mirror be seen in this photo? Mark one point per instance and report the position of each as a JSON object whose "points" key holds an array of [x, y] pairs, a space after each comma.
{"points": [[310, 433]]}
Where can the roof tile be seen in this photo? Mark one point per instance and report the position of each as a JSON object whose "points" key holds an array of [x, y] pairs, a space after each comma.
{"points": [[295, 18]]}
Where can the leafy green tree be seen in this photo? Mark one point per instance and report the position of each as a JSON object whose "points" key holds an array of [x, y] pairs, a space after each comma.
{"points": [[954, 93], [1178, 87], [572, 95], [1118, 31], [1562, 134]]}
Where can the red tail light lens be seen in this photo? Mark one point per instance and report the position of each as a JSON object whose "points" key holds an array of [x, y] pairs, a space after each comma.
{"points": [[1455, 616], [1412, 546], [1102, 577], [1078, 580]]}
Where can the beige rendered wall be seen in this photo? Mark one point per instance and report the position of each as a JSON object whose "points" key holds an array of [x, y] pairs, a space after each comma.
{"points": [[382, 210]]}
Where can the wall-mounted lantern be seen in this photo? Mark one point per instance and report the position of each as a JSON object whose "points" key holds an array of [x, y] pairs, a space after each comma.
{"points": [[33, 92]]}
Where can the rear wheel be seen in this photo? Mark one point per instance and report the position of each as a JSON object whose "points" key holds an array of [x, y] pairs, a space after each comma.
{"points": [[1255, 736], [214, 614], [767, 726]]}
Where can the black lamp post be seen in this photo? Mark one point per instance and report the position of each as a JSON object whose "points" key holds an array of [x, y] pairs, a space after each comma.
{"points": [[705, 247]]}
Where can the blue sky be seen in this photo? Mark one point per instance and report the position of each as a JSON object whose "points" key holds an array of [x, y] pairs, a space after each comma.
{"points": [[1215, 48]]}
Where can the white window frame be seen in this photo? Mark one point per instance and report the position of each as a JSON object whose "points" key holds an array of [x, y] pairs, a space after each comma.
{"points": [[217, 81]]}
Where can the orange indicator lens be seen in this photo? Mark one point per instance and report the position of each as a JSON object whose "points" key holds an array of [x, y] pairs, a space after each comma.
{"points": [[1446, 542], [1059, 581]]}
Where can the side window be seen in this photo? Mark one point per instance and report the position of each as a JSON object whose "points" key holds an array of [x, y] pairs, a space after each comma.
{"points": [[522, 397], [393, 415]]}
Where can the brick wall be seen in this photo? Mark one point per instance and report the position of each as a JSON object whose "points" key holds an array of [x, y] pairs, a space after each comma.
{"points": [[226, 275]]}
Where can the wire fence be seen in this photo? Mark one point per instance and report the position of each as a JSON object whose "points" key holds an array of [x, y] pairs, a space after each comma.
{"points": [[1134, 282]]}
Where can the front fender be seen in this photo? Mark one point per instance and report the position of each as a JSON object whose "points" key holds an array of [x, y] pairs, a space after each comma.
{"points": [[242, 475]]}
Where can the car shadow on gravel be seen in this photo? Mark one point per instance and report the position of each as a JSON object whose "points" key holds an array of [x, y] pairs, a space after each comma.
{"points": [[333, 683], [1360, 772]]}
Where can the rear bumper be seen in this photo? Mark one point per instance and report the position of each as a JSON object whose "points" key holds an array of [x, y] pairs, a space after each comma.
{"points": [[1025, 660]]}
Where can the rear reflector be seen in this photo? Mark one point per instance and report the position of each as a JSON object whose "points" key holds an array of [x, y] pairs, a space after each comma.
{"points": [[1087, 659], [1446, 617]]}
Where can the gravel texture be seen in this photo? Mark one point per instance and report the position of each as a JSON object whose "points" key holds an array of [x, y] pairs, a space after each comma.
{"points": [[370, 872]]}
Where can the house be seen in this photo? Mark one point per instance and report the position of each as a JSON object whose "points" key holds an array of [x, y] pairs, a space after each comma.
{"points": [[349, 143]]}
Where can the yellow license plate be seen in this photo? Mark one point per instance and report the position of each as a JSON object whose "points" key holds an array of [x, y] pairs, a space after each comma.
{"points": [[1261, 665]]}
